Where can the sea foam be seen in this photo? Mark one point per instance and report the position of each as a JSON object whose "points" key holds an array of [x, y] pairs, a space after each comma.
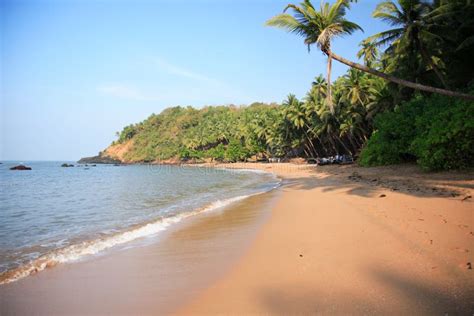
{"points": [[78, 251]]}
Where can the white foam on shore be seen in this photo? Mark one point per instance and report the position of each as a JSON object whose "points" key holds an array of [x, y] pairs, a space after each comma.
{"points": [[87, 248]]}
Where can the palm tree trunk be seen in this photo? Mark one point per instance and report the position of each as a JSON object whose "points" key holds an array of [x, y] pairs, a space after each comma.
{"points": [[329, 96], [402, 82], [430, 62]]}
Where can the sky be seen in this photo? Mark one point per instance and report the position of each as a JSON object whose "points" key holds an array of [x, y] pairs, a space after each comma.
{"points": [[74, 72]]}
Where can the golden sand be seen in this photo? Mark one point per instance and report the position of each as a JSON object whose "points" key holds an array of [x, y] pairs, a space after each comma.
{"points": [[331, 240]]}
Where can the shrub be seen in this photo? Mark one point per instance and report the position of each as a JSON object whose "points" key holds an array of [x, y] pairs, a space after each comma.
{"points": [[235, 152], [445, 135], [436, 131]]}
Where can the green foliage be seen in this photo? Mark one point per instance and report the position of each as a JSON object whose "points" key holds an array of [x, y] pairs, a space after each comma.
{"points": [[127, 133], [236, 152], [427, 42], [445, 135], [437, 132]]}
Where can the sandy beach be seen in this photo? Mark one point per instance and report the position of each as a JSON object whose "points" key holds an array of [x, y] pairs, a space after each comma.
{"points": [[348, 240], [330, 240]]}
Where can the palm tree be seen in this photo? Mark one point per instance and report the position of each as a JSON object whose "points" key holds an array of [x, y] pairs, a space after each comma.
{"points": [[369, 51], [319, 86], [320, 27], [410, 32]]}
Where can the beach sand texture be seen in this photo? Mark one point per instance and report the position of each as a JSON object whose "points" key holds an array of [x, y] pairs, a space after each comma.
{"points": [[333, 240], [356, 241]]}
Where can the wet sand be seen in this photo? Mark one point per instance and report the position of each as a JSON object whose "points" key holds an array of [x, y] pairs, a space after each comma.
{"points": [[153, 276], [347, 240], [331, 240]]}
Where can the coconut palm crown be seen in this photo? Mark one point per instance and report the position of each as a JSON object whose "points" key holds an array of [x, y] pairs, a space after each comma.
{"points": [[317, 26]]}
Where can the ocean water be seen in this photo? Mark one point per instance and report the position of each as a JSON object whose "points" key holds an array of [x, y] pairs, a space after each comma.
{"points": [[52, 215]]}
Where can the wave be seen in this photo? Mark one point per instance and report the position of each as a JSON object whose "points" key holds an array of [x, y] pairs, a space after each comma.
{"points": [[87, 248]]}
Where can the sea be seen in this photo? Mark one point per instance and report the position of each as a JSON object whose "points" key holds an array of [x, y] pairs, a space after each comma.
{"points": [[55, 215]]}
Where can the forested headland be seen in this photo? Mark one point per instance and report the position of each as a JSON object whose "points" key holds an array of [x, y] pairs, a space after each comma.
{"points": [[409, 100]]}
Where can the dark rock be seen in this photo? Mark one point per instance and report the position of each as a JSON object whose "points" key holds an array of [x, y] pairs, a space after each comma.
{"points": [[382, 195], [20, 167], [99, 159], [66, 165]]}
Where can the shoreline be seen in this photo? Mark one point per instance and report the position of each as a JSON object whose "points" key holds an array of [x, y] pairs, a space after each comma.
{"points": [[90, 247], [173, 266], [350, 240], [325, 241]]}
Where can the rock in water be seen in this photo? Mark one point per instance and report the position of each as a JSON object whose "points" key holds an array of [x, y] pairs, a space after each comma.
{"points": [[99, 159], [65, 165], [20, 167]]}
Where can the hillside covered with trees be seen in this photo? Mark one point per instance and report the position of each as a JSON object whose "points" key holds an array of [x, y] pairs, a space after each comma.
{"points": [[410, 100]]}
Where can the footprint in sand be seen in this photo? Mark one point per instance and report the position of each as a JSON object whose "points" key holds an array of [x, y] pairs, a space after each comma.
{"points": [[465, 265], [460, 249], [463, 226]]}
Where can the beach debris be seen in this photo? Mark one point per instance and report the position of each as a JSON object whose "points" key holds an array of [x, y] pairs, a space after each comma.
{"points": [[355, 176], [382, 195], [20, 167], [431, 241], [469, 266], [301, 256], [465, 198], [66, 165]]}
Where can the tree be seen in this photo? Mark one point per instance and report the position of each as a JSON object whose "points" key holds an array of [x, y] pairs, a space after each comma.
{"points": [[369, 51], [411, 31], [320, 27]]}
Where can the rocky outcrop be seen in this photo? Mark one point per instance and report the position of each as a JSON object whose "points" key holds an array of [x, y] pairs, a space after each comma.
{"points": [[66, 165], [101, 158], [119, 150], [20, 167]]}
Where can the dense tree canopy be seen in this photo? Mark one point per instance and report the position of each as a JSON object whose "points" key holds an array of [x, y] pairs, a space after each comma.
{"points": [[428, 43]]}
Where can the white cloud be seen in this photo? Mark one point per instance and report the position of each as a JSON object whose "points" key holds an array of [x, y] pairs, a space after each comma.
{"points": [[200, 88], [179, 71], [126, 92]]}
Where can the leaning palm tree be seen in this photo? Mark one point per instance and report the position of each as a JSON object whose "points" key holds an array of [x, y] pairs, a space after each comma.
{"points": [[320, 27], [410, 31]]}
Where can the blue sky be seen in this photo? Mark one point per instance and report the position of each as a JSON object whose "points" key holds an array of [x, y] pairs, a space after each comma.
{"points": [[75, 72]]}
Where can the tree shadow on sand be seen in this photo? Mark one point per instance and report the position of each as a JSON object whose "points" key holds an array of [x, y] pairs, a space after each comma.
{"points": [[401, 295], [370, 182]]}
